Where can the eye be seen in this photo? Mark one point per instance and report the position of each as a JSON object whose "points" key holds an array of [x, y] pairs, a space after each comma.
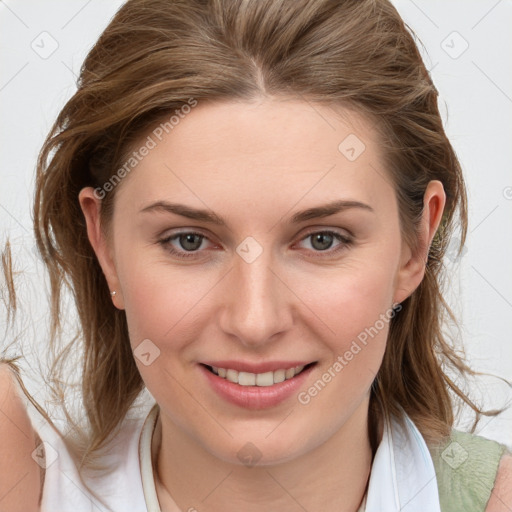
{"points": [[321, 241], [189, 242]]}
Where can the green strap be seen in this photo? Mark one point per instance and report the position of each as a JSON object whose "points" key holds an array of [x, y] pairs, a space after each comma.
{"points": [[466, 466]]}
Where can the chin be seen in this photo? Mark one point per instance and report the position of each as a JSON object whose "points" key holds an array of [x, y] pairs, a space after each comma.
{"points": [[262, 449]]}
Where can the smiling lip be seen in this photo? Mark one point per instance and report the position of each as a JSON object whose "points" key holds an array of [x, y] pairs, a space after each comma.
{"points": [[262, 367], [255, 397]]}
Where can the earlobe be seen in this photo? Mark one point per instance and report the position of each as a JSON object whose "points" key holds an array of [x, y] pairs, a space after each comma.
{"points": [[413, 262], [91, 207]]}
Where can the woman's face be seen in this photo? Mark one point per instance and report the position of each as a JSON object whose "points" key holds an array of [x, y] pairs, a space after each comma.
{"points": [[266, 284]]}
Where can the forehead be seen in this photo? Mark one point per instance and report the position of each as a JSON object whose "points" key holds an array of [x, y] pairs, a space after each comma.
{"points": [[264, 151]]}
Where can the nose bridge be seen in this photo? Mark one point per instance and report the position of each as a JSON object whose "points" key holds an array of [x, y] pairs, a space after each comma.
{"points": [[256, 308]]}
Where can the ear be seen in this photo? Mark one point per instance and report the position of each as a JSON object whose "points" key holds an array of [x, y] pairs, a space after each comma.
{"points": [[413, 262], [91, 206]]}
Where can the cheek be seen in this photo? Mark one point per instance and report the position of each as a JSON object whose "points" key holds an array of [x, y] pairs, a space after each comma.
{"points": [[357, 309], [160, 301], [354, 306], [350, 298], [165, 301]]}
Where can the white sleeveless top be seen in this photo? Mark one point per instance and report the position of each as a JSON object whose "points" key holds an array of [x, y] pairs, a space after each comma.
{"points": [[402, 476]]}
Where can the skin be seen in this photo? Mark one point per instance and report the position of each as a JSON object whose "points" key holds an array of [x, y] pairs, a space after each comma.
{"points": [[21, 479], [256, 164]]}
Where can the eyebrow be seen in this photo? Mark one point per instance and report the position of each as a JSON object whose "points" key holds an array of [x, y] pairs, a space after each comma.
{"points": [[208, 216]]}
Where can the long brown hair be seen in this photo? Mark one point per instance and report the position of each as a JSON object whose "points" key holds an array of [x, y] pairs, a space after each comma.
{"points": [[155, 56]]}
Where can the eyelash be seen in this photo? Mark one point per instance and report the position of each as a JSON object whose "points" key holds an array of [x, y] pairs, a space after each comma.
{"points": [[346, 242]]}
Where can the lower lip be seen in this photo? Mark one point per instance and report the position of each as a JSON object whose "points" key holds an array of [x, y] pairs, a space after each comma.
{"points": [[255, 397]]}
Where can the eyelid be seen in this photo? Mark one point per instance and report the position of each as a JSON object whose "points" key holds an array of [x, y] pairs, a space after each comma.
{"points": [[169, 233], [327, 229], [173, 233], [166, 239], [344, 239]]}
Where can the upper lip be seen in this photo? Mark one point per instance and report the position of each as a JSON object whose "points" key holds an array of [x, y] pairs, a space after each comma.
{"points": [[261, 367]]}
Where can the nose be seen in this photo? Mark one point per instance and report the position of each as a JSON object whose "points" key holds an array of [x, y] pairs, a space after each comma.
{"points": [[257, 303]]}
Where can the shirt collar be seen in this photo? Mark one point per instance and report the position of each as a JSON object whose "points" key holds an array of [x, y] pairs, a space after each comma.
{"points": [[403, 477]]}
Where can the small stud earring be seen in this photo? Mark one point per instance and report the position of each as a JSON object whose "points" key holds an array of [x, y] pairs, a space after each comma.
{"points": [[113, 293]]}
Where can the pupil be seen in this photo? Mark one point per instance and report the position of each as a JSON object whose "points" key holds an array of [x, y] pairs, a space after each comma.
{"points": [[189, 240], [321, 237]]}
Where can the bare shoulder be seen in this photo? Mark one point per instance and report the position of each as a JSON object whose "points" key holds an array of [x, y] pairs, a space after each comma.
{"points": [[501, 496], [20, 476]]}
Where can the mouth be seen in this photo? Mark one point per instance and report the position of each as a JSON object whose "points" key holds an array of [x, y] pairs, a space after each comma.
{"points": [[274, 382], [263, 379]]}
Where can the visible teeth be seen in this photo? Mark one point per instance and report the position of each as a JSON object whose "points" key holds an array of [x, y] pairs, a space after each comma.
{"points": [[246, 379], [257, 379], [264, 379], [279, 376], [232, 375]]}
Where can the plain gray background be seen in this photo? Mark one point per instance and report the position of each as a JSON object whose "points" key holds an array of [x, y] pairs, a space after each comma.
{"points": [[468, 50]]}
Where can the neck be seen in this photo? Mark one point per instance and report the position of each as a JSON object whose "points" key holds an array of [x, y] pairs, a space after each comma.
{"points": [[332, 477]]}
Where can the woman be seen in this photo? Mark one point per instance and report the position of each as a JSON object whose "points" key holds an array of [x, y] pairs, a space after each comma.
{"points": [[251, 201]]}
